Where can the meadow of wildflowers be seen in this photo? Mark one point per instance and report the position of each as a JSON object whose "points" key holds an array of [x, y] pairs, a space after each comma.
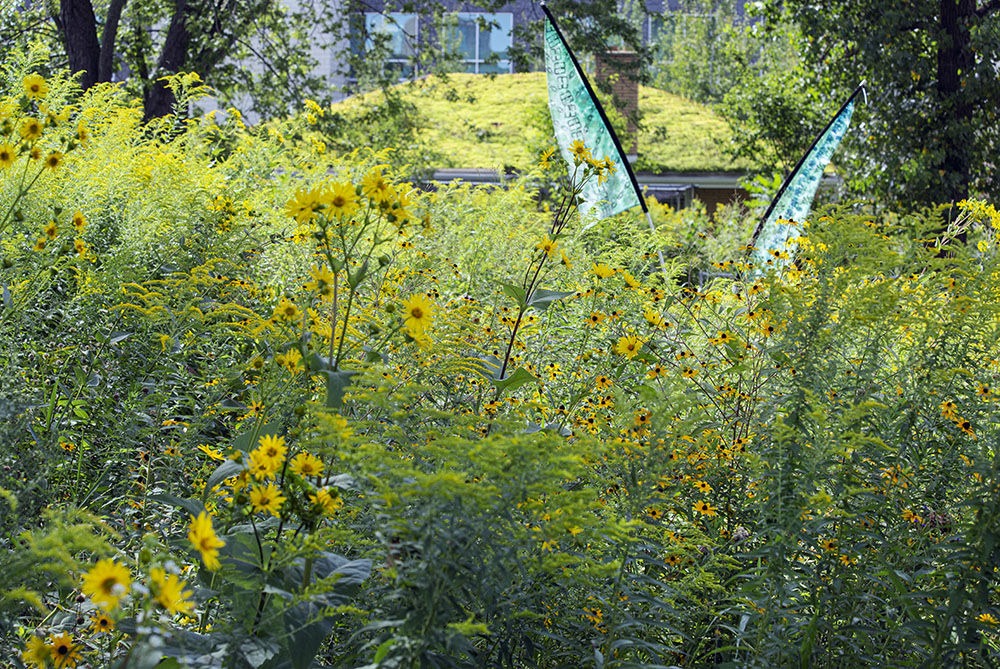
{"points": [[266, 406]]}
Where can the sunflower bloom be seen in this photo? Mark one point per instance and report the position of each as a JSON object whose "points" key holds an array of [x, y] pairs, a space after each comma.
{"points": [[286, 310], [36, 652], [31, 129], [417, 314], [341, 199], [202, 537], [261, 466], [544, 160], [35, 87], [377, 188], [267, 499], [306, 464], [327, 502], [54, 160], [304, 205], [580, 152], [170, 592], [7, 156], [273, 448], [107, 583], [629, 346], [547, 246]]}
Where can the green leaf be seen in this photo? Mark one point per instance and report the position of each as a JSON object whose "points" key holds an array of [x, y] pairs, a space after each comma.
{"points": [[192, 506], [116, 337], [242, 442], [221, 473], [306, 624], [355, 279], [542, 298], [337, 380], [336, 385], [383, 650], [517, 293], [514, 381]]}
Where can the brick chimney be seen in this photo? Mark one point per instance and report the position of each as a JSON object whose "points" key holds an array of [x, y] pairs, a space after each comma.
{"points": [[618, 67]]}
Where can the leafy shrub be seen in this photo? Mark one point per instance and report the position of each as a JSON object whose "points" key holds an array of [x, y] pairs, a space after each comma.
{"points": [[267, 405]]}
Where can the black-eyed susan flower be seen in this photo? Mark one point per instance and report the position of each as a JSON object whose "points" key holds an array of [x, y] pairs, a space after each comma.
{"points": [[595, 318], [106, 583], [64, 652], [102, 623], [705, 509]]}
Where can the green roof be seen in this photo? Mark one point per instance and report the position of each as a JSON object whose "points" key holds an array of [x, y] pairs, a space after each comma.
{"points": [[479, 121]]}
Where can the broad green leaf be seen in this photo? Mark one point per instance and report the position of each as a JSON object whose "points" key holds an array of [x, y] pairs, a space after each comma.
{"points": [[242, 442], [542, 298], [192, 506], [221, 473], [517, 293], [336, 385], [513, 381]]}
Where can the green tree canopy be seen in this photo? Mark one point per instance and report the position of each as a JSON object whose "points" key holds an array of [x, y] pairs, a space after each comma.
{"points": [[262, 53], [931, 131]]}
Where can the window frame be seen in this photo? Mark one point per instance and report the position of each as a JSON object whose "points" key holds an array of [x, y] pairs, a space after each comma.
{"points": [[505, 65]]}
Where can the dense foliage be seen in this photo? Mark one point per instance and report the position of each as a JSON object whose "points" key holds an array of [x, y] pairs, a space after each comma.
{"points": [[265, 405]]}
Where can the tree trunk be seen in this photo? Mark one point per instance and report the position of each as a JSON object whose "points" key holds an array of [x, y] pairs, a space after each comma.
{"points": [[109, 36], [172, 58], [955, 61], [80, 37]]}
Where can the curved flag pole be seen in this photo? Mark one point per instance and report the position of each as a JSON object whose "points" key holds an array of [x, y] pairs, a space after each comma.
{"points": [[798, 167], [607, 124]]}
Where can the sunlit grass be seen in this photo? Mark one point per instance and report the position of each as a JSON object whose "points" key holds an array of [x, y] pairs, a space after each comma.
{"points": [[481, 122]]}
